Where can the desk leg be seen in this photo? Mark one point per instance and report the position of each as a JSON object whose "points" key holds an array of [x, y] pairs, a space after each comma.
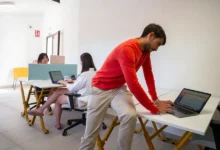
{"points": [[158, 135], [110, 129], [38, 100], [146, 135], [101, 142], [140, 130], [27, 101], [187, 135], [24, 113], [29, 95], [158, 132]]}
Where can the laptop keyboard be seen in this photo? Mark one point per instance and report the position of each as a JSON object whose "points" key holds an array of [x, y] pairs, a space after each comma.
{"points": [[184, 111]]}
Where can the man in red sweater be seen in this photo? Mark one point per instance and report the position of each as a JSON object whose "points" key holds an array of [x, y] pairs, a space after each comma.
{"points": [[108, 87]]}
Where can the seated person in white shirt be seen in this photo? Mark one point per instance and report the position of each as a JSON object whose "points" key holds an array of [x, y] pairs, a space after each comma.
{"points": [[79, 86]]}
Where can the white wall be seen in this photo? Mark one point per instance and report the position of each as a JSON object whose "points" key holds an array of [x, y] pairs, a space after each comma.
{"points": [[70, 19], [191, 55], [18, 44], [189, 59], [64, 17], [52, 22]]}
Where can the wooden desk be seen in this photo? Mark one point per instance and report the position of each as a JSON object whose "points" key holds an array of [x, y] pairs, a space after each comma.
{"points": [[44, 85], [195, 124]]}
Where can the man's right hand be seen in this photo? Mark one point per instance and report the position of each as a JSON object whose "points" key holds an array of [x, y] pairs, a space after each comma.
{"points": [[164, 107]]}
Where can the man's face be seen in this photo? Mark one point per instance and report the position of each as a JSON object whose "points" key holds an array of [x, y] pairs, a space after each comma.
{"points": [[153, 44]]}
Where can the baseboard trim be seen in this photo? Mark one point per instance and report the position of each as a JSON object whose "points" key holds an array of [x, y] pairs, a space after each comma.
{"points": [[11, 86], [5, 86]]}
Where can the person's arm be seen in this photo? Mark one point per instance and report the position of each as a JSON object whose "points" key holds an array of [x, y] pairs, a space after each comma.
{"points": [[126, 59], [78, 84], [69, 80], [149, 78]]}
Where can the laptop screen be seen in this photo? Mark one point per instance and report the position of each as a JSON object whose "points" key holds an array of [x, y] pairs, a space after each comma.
{"points": [[56, 76], [193, 100]]}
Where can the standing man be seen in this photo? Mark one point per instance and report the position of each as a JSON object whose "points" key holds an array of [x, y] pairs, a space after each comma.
{"points": [[108, 87]]}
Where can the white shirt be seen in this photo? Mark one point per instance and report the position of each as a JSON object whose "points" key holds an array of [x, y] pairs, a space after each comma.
{"points": [[82, 82]]}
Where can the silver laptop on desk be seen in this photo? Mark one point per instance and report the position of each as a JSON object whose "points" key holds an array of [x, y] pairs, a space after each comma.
{"points": [[189, 103], [57, 59], [56, 76]]}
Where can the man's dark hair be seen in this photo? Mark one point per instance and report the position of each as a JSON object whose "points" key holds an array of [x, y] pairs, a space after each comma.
{"points": [[157, 29]]}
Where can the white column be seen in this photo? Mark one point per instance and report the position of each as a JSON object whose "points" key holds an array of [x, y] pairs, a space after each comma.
{"points": [[70, 34]]}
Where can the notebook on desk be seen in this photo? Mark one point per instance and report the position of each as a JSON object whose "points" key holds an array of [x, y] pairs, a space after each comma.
{"points": [[189, 103]]}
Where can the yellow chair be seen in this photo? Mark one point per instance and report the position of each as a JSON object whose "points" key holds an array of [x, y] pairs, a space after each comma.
{"points": [[19, 73]]}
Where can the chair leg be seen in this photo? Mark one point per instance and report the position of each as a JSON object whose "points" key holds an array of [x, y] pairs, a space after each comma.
{"points": [[69, 109], [32, 107], [34, 103], [207, 148], [74, 120], [71, 126], [14, 84], [84, 118], [78, 122], [104, 126]]}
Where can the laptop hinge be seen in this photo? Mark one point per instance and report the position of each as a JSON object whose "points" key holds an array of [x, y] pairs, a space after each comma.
{"points": [[186, 109]]}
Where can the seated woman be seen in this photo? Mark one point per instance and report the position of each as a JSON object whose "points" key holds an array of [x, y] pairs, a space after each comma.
{"points": [[44, 59], [79, 86]]}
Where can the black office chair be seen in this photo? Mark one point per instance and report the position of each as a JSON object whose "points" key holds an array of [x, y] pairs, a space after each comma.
{"points": [[215, 125], [211, 140], [77, 121]]}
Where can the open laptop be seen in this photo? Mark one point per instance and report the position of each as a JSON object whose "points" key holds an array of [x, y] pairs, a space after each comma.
{"points": [[56, 76], [189, 103], [57, 59]]}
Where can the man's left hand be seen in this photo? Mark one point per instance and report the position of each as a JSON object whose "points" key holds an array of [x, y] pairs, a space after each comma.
{"points": [[168, 104]]}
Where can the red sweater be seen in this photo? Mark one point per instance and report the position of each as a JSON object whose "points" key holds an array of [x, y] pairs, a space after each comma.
{"points": [[121, 66]]}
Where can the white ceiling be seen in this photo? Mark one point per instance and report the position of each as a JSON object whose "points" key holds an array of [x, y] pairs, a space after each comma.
{"points": [[27, 6]]}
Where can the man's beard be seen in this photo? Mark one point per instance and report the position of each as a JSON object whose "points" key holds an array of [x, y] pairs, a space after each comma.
{"points": [[147, 48]]}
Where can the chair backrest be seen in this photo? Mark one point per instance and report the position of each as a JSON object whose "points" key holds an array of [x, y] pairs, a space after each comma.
{"points": [[212, 136], [215, 124], [71, 101], [20, 72]]}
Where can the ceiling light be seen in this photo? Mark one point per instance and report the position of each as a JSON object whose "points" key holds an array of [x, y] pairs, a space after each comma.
{"points": [[7, 4]]}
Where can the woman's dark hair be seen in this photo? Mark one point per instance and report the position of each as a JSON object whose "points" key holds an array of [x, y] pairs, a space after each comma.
{"points": [[41, 57], [87, 62], [157, 29]]}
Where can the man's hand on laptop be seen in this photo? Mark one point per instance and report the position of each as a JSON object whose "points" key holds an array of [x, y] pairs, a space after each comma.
{"points": [[165, 106], [63, 82], [167, 102]]}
